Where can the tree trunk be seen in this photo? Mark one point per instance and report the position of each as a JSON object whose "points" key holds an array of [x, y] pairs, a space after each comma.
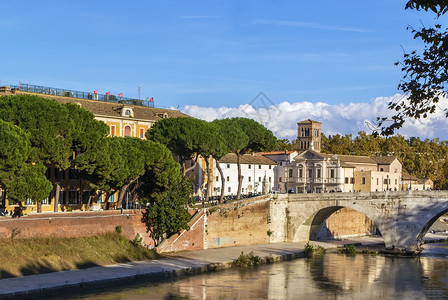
{"points": [[89, 202], [185, 170], [106, 200], [223, 181], [207, 189], [122, 191], [240, 177], [56, 196], [39, 206]]}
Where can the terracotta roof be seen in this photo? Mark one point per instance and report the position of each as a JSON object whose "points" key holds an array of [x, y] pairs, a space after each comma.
{"points": [[307, 121], [275, 153], [247, 159], [109, 109], [353, 159], [408, 177], [384, 160]]}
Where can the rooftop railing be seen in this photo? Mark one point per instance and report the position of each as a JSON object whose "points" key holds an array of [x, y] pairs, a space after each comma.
{"points": [[24, 87]]}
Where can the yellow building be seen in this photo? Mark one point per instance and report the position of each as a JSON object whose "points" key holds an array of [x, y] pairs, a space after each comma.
{"points": [[124, 116]]}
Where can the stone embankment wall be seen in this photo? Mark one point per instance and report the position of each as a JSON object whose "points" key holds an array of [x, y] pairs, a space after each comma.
{"points": [[241, 223], [251, 221], [74, 224]]}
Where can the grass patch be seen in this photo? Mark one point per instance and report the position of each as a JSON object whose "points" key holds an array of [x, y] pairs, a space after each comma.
{"points": [[42, 255]]}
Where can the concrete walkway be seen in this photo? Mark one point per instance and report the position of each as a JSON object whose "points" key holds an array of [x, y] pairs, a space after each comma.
{"points": [[175, 264]]}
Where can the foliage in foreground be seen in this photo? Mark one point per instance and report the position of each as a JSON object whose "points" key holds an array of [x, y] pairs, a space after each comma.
{"points": [[348, 249], [314, 249], [247, 260], [42, 255]]}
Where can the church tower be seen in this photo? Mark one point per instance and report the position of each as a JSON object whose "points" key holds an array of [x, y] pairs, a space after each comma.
{"points": [[308, 136]]}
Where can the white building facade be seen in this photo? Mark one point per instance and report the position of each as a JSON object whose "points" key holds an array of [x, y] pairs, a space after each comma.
{"points": [[257, 171]]}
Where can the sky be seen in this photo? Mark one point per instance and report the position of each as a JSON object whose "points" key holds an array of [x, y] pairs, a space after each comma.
{"points": [[278, 62]]}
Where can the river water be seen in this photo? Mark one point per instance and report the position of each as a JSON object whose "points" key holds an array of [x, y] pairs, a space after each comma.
{"points": [[331, 276]]}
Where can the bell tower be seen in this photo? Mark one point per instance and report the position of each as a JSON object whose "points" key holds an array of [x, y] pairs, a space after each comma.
{"points": [[308, 136]]}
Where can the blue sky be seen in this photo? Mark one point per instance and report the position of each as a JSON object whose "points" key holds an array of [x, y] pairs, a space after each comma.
{"points": [[210, 53]]}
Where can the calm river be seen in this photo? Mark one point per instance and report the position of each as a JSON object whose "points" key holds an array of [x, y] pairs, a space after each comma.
{"points": [[332, 276]]}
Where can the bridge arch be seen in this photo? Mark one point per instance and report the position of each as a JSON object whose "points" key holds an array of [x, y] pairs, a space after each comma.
{"points": [[309, 227]]}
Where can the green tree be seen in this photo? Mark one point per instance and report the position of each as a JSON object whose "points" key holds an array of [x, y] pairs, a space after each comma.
{"points": [[20, 178], [213, 144], [49, 126], [259, 139], [234, 140], [425, 76], [29, 183], [182, 135], [166, 195]]}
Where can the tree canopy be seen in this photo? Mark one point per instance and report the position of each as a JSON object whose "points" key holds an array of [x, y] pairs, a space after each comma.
{"points": [[425, 79]]}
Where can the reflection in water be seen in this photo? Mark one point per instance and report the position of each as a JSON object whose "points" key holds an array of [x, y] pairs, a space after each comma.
{"points": [[332, 276]]}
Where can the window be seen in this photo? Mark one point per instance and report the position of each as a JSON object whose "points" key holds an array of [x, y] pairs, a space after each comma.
{"points": [[259, 166], [318, 173], [45, 201], [363, 180], [112, 130], [250, 166], [61, 174], [310, 173], [381, 169], [61, 197], [352, 180], [395, 181], [112, 198], [142, 133], [228, 178], [217, 178], [332, 173], [228, 166], [127, 112], [279, 179], [290, 173], [346, 180], [281, 164], [127, 130], [28, 201], [377, 181], [249, 178], [269, 179], [72, 173], [229, 189], [385, 181], [300, 172], [259, 179], [270, 167], [73, 197]]}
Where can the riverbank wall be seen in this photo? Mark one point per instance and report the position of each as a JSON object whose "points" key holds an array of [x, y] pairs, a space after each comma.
{"points": [[245, 222]]}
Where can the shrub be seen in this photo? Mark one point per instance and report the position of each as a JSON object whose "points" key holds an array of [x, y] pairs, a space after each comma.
{"points": [[269, 232], [247, 260], [137, 241], [348, 249], [312, 249], [118, 229]]}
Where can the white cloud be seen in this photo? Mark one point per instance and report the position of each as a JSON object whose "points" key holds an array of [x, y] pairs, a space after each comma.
{"points": [[350, 118]]}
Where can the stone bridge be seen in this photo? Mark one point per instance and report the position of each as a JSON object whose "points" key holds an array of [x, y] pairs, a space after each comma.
{"points": [[403, 218]]}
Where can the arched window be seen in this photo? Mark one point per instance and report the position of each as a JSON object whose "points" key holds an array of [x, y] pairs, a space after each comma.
{"points": [[127, 130]]}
